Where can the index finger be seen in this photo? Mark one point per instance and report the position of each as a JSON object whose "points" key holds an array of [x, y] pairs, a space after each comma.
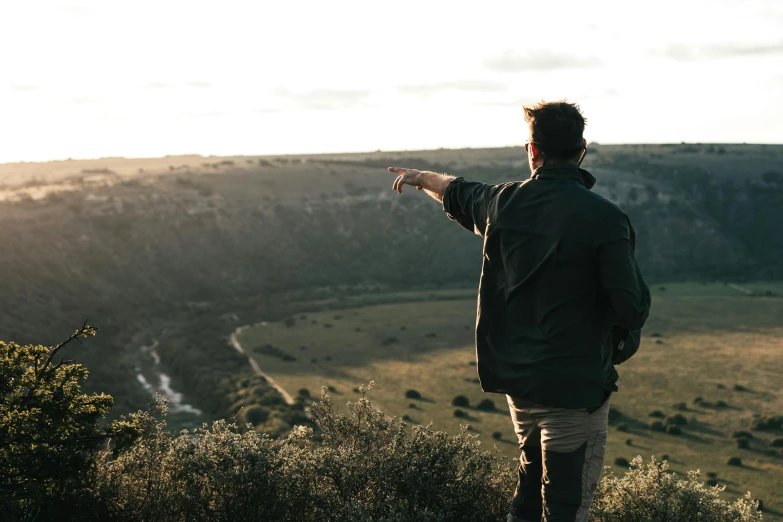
{"points": [[398, 170]]}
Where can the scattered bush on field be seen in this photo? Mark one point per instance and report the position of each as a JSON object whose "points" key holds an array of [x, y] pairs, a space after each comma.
{"points": [[657, 426], [740, 388], [698, 400], [412, 394], [680, 406], [497, 435], [304, 392], [622, 462], [460, 413], [629, 442], [673, 429], [650, 492], [460, 400], [678, 420], [743, 443], [767, 423], [734, 461], [742, 434], [486, 405], [657, 414], [777, 442], [622, 427]]}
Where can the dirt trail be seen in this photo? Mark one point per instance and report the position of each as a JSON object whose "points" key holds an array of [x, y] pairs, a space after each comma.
{"points": [[234, 340]]}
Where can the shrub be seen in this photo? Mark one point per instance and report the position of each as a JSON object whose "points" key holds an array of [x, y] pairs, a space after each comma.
{"points": [[614, 415], [680, 406], [486, 405], [459, 413], [698, 400], [673, 430], [460, 400], [650, 492], [622, 427], [711, 474], [412, 405], [622, 462], [658, 414], [721, 404], [777, 442], [740, 388], [770, 422], [412, 394], [678, 420], [255, 415], [657, 426], [743, 443], [304, 392], [734, 461], [665, 457], [406, 417], [742, 434], [497, 435], [629, 442]]}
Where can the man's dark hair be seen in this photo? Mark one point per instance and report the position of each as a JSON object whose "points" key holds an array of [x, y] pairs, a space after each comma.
{"points": [[557, 129]]}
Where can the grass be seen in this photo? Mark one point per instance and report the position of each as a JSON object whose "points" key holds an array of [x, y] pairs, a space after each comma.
{"points": [[701, 340]]}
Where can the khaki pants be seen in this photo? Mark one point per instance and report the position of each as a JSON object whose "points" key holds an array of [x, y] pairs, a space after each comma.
{"points": [[562, 454]]}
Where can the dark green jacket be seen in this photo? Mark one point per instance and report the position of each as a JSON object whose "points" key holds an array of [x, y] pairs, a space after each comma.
{"points": [[558, 271]]}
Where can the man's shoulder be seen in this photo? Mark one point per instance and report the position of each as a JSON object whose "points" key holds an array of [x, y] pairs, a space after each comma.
{"points": [[603, 207]]}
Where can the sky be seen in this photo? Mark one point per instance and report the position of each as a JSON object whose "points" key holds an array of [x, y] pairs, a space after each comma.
{"points": [[144, 78]]}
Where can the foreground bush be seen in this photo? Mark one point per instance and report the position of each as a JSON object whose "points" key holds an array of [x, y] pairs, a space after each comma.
{"points": [[361, 467], [650, 493], [58, 463]]}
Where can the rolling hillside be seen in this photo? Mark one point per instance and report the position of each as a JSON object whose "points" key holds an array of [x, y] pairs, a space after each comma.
{"points": [[179, 251]]}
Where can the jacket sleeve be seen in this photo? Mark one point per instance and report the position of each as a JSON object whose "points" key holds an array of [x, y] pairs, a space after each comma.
{"points": [[622, 280], [466, 202]]}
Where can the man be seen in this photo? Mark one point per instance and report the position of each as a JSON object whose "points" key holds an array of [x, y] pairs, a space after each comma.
{"points": [[559, 276]]}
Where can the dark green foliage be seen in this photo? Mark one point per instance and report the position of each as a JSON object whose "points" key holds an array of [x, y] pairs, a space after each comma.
{"points": [[629, 442], [777, 442], [255, 415], [721, 404], [740, 388], [406, 418], [622, 427], [49, 431], [614, 415], [658, 414], [698, 400], [622, 462], [486, 405], [681, 406], [412, 394], [460, 413], [767, 423], [304, 392], [460, 400], [743, 443], [673, 430], [497, 435], [657, 426], [711, 474], [677, 419], [665, 457], [734, 461], [742, 434]]}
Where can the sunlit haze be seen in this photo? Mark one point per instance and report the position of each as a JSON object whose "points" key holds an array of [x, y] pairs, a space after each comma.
{"points": [[150, 78]]}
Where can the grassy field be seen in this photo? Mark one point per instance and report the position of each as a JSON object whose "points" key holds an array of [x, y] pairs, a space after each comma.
{"points": [[712, 341]]}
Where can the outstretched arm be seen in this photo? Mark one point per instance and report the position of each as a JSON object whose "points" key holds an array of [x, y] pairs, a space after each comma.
{"points": [[432, 183]]}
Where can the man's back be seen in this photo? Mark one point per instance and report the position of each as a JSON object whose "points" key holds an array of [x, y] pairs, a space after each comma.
{"points": [[558, 269]]}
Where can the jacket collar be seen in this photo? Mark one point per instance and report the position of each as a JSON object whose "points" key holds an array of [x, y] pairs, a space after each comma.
{"points": [[564, 171]]}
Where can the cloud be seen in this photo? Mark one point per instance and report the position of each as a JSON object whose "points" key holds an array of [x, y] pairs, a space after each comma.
{"points": [[539, 60], [683, 53], [19, 87], [198, 84], [325, 98], [459, 85], [528, 100]]}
